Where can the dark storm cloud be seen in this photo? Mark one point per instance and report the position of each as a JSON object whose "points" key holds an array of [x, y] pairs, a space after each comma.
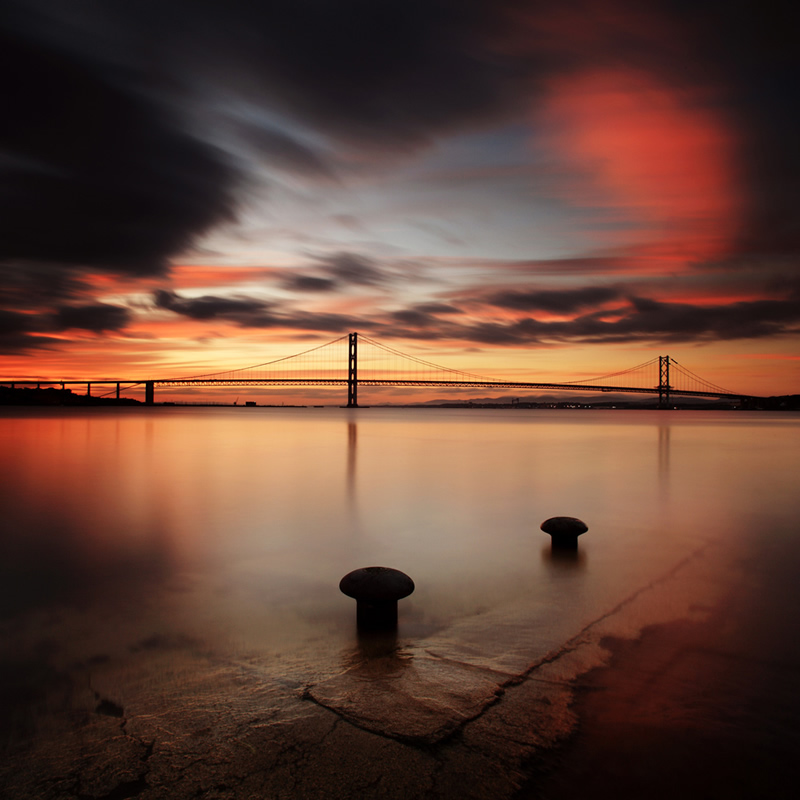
{"points": [[102, 163], [308, 283], [99, 167], [98, 317], [415, 317], [13, 324], [648, 320], [251, 313], [752, 319], [245, 311], [31, 285], [566, 301], [54, 300], [746, 55], [438, 308], [26, 333], [388, 73], [399, 73], [106, 161], [632, 319], [95, 173], [17, 343], [424, 315], [753, 48], [322, 322], [636, 320]]}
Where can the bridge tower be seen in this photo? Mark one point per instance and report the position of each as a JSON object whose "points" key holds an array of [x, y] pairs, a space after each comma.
{"points": [[352, 371], [663, 382]]}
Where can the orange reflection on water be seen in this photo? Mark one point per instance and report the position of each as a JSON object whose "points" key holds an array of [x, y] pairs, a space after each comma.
{"points": [[237, 524]]}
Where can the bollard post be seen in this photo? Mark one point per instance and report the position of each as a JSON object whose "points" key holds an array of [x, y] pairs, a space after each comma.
{"points": [[376, 591], [564, 531]]}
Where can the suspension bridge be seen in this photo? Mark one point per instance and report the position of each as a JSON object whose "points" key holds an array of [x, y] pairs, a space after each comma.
{"points": [[355, 360]]}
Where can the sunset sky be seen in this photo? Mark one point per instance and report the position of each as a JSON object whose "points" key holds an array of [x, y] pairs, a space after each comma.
{"points": [[526, 190]]}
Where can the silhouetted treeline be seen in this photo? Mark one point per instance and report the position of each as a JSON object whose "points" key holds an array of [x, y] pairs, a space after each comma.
{"points": [[786, 402], [52, 396]]}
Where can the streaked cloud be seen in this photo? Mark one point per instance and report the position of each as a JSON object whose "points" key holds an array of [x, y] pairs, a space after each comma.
{"points": [[97, 317], [242, 310], [565, 301], [475, 174], [309, 283]]}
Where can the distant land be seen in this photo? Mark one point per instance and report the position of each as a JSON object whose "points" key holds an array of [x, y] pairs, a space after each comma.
{"points": [[66, 397], [51, 396], [783, 403]]}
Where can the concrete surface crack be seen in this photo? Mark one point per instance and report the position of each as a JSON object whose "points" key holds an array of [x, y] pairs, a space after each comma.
{"points": [[579, 638], [466, 665], [571, 644]]}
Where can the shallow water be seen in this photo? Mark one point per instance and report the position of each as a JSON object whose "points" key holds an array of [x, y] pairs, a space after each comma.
{"points": [[230, 528]]}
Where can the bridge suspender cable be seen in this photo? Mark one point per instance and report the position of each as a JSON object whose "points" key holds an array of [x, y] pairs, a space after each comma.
{"points": [[324, 365]]}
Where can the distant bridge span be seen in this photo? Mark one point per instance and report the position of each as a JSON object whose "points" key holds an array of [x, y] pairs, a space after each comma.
{"points": [[311, 368], [488, 384]]}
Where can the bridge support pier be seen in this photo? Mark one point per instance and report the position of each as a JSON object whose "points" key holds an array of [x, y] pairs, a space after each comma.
{"points": [[352, 371], [149, 392]]}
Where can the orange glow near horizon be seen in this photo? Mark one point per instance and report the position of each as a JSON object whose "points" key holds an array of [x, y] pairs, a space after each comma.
{"points": [[740, 367], [200, 276], [630, 159], [161, 344]]}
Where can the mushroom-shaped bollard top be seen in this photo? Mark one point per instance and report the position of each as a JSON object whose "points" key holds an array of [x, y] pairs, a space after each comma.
{"points": [[564, 530], [376, 584], [376, 591]]}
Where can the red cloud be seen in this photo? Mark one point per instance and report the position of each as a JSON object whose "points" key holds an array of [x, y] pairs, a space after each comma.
{"points": [[660, 164]]}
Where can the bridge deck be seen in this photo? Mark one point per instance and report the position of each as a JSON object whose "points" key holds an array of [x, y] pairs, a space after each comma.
{"points": [[514, 385]]}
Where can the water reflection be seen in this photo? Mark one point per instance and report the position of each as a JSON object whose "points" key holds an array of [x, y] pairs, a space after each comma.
{"points": [[376, 644], [377, 656], [57, 551], [664, 432], [560, 559], [352, 442], [238, 529]]}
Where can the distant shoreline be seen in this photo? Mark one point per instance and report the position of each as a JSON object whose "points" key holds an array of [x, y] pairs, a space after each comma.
{"points": [[54, 397]]}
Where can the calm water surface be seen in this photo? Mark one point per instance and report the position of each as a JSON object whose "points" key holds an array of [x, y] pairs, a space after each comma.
{"points": [[231, 527]]}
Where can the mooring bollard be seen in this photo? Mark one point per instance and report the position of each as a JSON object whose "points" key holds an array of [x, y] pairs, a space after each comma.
{"points": [[564, 531], [376, 591]]}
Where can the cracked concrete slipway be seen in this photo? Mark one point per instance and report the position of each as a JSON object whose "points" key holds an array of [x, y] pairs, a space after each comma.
{"points": [[464, 711]]}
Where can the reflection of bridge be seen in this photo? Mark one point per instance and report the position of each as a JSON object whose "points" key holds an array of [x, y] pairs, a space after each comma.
{"points": [[354, 361]]}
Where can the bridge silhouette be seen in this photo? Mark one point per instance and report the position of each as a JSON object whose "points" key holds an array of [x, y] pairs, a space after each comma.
{"points": [[355, 360]]}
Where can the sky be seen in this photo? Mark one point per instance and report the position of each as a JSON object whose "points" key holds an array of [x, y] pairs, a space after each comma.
{"points": [[538, 191]]}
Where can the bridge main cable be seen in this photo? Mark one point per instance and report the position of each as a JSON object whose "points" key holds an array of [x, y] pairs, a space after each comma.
{"points": [[333, 372]]}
